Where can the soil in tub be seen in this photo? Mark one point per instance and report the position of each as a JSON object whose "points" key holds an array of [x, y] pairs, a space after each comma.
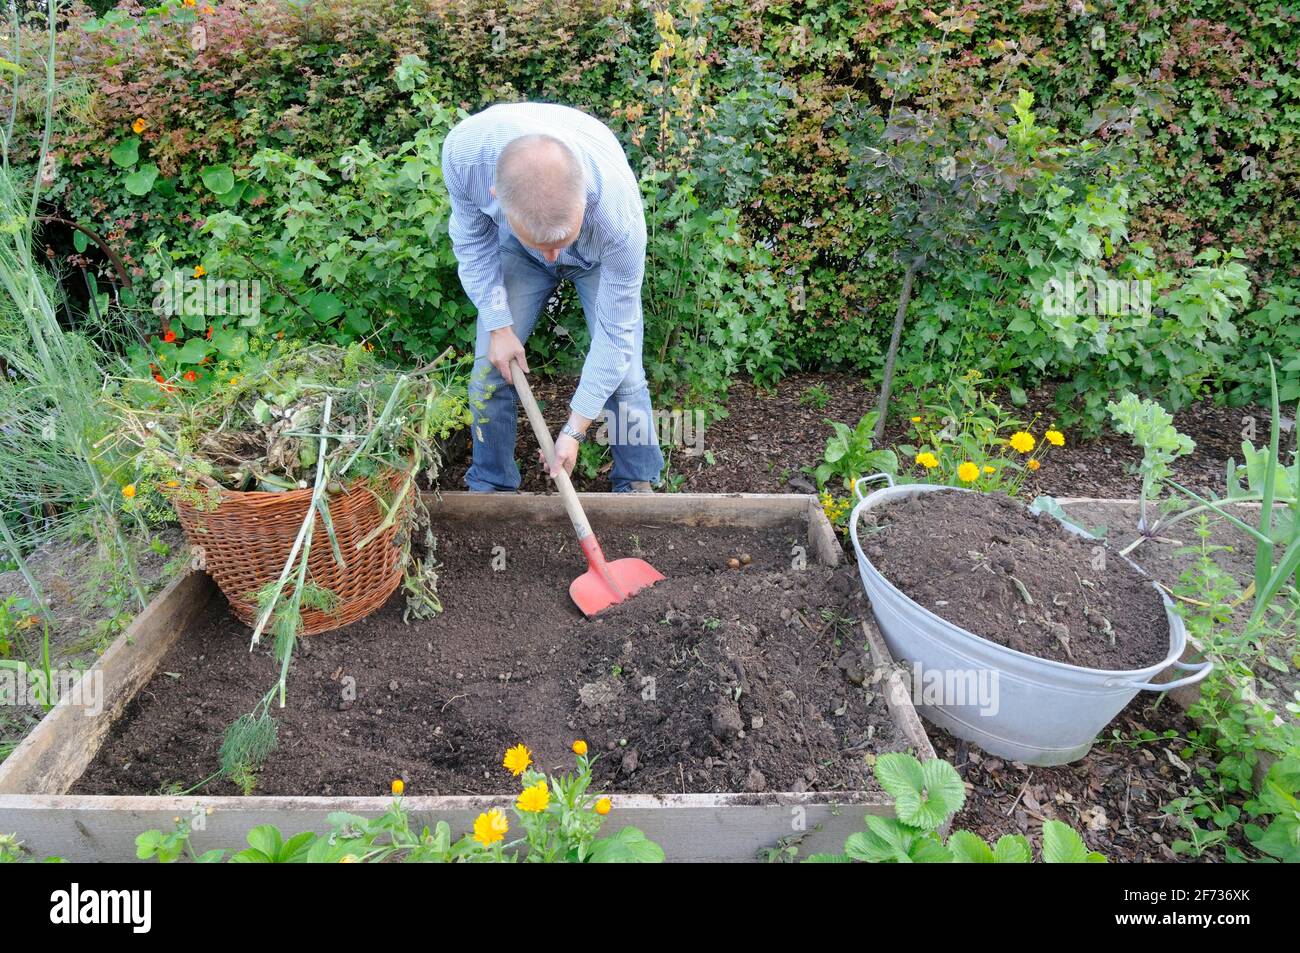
{"points": [[983, 562], [715, 680]]}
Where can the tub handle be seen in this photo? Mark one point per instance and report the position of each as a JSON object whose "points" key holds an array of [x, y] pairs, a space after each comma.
{"points": [[1198, 669], [870, 479]]}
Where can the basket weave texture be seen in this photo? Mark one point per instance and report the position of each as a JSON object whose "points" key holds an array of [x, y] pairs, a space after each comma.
{"points": [[246, 540]]}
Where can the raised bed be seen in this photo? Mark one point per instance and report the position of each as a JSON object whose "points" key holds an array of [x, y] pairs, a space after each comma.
{"points": [[36, 778]]}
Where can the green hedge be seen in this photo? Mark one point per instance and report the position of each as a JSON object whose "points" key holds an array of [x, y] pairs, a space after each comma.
{"points": [[753, 119]]}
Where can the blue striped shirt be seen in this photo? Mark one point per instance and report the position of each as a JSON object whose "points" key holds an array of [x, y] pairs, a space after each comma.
{"points": [[613, 233]]}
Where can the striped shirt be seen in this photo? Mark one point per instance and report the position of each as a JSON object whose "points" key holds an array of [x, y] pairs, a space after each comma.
{"points": [[613, 233]]}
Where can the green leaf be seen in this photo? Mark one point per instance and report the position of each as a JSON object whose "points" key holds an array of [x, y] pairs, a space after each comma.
{"points": [[325, 307], [628, 846], [1062, 844], [193, 351], [141, 181], [968, 848], [230, 343], [1013, 849], [219, 179], [79, 240], [925, 795], [126, 153], [266, 839]]}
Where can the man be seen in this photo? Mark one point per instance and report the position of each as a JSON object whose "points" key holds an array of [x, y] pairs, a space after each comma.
{"points": [[542, 193]]}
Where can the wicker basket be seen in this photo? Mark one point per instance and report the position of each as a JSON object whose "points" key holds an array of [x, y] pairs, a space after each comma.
{"points": [[245, 541]]}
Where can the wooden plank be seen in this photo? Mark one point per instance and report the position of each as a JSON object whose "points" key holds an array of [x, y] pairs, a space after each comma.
{"points": [[690, 827], [620, 509], [58, 750]]}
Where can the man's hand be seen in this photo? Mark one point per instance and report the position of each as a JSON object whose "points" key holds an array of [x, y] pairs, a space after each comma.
{"points": [[503, 347], [566, 448], [566, 455]]}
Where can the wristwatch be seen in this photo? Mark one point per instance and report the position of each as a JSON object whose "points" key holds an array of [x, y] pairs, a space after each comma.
{"points": [[573, 432]]}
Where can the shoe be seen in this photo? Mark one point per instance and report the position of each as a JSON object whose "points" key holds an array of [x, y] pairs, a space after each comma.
{"points": [[640, 486]]}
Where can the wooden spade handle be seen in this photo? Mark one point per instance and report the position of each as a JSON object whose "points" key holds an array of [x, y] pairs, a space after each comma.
{"points": [[571, 505]]}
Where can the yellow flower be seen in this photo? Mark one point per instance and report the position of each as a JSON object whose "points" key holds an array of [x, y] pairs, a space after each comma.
{"points": [[533, 800], [172, 484], [349, 859], [916, 420], [968, 472], [580, 747], [1033, 464], [1022, 441], [927, 460], [603, 806], [1055, 438], [128, 491], [989, 470], [199, 271], [398, 787], [490, 827], [139, 126], [190, 3], [208, 9], [234, 381], [517, 759]]}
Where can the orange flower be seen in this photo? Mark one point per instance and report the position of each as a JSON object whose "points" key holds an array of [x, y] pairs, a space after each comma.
{"points": [[128, 491], [580, 747], [1033, 464], [190, 376], [139, 126], [169, 336], [603, 806], [398, 787]]}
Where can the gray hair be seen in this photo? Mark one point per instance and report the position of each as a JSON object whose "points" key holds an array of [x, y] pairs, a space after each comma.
{"points": [[540, 186]]}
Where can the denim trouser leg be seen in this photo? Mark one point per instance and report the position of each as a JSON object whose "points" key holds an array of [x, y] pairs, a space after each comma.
{"points": [[528, 284], [629, 422]]}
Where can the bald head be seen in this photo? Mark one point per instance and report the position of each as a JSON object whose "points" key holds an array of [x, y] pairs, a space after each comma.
{"points": [[541, 189]]}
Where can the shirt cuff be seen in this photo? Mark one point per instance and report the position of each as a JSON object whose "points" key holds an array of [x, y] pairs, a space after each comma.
{"points": [[495, 319], [586, 404]]}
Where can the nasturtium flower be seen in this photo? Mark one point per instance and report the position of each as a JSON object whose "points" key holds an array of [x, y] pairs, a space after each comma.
{"points": [[399, 786], [1033, 464], [190, 376], [968, 472], [603, 806], [580, 747], [534, 799], [199, 271], [1022, 442], [169, 336], [139, 126], [490, 827], [128, 491], [1055, 438], [927, 460], [517, 759]]}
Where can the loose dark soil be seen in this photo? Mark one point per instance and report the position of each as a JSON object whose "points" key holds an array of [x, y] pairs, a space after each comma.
{"points": [[770, 436], [984, 563], [717, 679]]}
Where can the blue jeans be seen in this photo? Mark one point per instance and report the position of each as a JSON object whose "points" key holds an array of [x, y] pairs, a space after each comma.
{"points": [[628, 417]]}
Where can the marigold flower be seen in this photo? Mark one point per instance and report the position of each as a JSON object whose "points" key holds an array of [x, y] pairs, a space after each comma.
{"points": [[927, 460], [968, 472], [1023, 442], [580, 747], [517, 759], [1055, 438], [534, 799], [199, 271], [603, 806], [190, 376], [490, 827], [128, 491], [139, 126], [399, 786], [1033, 464]]}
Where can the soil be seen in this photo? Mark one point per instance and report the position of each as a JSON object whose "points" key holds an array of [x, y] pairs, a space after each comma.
{"points": [[716, 679], [1176, 551], [769, 437], [986, 564]]}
